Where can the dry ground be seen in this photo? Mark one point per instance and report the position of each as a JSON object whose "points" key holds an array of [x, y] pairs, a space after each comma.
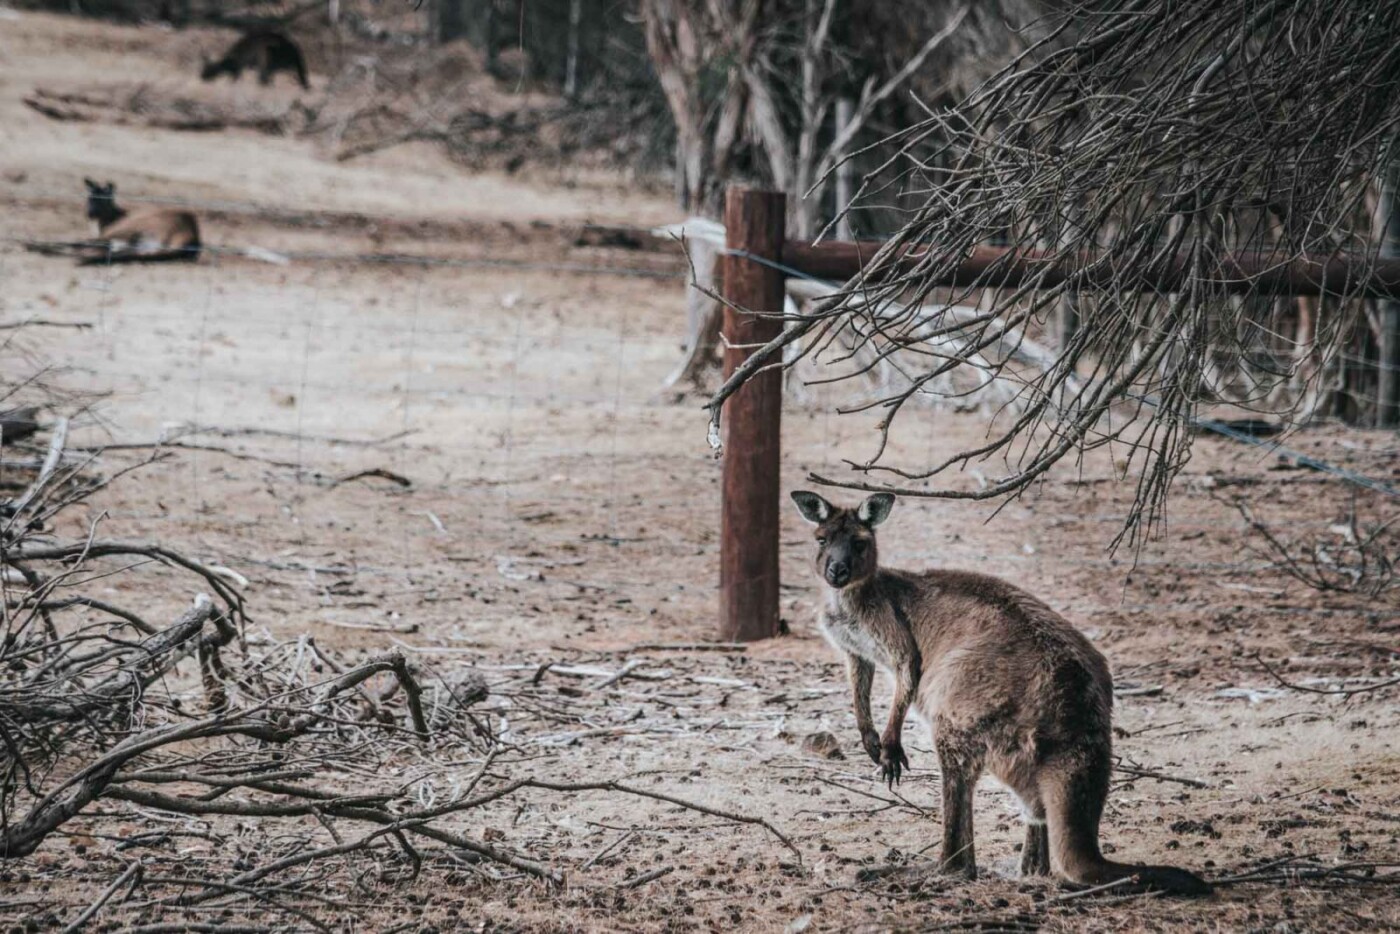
{"points": [[563, 509]]}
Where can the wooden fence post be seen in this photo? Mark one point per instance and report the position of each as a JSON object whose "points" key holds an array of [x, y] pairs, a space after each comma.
{"points": [[752, 419]]}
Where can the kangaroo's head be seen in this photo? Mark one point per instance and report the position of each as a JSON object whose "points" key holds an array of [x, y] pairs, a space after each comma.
{"points": [[846, 552], [102, 202]]}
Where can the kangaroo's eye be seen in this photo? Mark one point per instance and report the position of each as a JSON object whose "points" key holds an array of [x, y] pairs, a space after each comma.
{"points": [[861, 545], [821, 540]]}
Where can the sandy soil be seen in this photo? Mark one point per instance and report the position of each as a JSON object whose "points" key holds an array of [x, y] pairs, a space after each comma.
{"points": [[524, 404]]}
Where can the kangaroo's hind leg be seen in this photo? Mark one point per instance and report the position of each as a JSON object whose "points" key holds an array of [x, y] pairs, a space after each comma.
{"points": [[1018, 768], [960, 760], [1074, 790], [1035, 852]]}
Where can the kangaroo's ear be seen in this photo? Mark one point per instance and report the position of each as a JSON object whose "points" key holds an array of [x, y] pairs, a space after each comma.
{"points": [[813, 508], [875, 509], [91, 185]]}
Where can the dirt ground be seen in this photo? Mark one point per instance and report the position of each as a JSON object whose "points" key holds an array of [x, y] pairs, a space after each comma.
{"points": [[564, 509]]}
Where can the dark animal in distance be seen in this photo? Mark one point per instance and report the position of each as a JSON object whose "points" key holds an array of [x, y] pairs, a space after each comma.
{"points": [[146, 236], [1006, 684], [265, 52]]}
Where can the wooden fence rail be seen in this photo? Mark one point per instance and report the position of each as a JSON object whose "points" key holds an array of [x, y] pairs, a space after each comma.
{"points": [[1002, 267]]}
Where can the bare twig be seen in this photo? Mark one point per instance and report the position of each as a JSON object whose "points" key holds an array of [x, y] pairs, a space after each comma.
{"points": [[1336, 692], [132, 875]]}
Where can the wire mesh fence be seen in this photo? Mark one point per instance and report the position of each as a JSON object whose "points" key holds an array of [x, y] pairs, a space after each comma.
{"points": [[469, 458], [519, 389]]}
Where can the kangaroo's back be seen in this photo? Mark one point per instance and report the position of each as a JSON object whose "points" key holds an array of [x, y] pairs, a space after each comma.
{"points": [[264, 51], [1026, 644], [171, 229]]}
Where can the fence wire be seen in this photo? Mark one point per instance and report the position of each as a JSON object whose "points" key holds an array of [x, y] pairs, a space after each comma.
{"points": [[498, 382]]}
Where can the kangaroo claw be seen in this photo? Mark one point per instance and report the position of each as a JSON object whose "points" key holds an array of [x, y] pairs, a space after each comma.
{"points": [[893, 762]]}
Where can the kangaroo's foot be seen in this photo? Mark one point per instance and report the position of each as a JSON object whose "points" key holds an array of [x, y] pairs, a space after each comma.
{"points": [[1035, 852]]}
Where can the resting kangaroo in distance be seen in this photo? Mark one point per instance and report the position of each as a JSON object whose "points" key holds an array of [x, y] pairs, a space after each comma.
{"points": [[1005, 683], [267, 52], [138, 236]]}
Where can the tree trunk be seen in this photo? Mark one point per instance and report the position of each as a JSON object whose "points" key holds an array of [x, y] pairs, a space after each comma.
{"points": [[685, 39], [845, 172], [489, 36], [673, 44], [1388, 364], [571, 57], [451, 20]]}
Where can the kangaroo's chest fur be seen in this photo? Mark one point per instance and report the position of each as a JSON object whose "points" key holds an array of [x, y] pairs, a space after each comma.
{"points": [[872, 623], [846, 626]]}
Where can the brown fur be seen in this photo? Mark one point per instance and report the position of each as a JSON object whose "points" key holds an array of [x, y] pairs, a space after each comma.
{"points": [[266, 52], [139, 236], [1007, 685]]}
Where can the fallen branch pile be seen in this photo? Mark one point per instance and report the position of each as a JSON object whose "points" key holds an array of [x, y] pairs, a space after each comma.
{"points": [[127, 724], [143, 105]]}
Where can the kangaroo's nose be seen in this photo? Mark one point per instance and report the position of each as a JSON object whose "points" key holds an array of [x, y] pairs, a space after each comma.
{"points": [[838, 573]]}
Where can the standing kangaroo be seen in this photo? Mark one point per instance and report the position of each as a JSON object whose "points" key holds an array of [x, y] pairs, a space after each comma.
{"points": [[138, 236], [267, 52], [1004, 681]]}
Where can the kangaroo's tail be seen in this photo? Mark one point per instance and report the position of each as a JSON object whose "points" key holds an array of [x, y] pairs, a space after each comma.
{"points": [[187, 254], [1074, 805], [1169, 879]]}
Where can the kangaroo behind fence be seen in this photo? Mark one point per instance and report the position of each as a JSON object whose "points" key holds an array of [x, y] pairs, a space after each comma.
{"points": [[143, 236], [265, 52]]}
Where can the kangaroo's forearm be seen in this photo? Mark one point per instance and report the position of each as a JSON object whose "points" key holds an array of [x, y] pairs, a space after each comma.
{"points": [[905, 689], [862, 676]]}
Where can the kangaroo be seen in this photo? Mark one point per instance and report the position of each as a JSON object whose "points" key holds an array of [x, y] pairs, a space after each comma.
{"points": [[140, 236], [1006, 684], [268, 52]]}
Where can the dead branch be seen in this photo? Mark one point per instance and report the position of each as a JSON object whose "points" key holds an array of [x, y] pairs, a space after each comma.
{"points": [[56, 443], [45, 323], [97, 725], [669, 799], [1353, 557], [1138, 772], [375, 472], [646, 877], [687, 647], [1122, 144], [130, 876], [1336, 692]]}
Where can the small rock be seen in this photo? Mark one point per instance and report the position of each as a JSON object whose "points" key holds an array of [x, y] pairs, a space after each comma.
{"points": [[799, 924], [822, 745]]}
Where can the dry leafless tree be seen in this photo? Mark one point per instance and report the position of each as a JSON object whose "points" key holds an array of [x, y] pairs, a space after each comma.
{"points": [[1126, 166]]}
